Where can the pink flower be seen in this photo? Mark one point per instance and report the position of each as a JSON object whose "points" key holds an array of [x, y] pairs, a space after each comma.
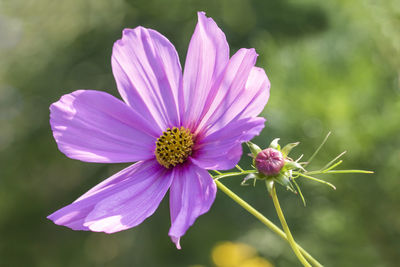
{"points": [[175, 126]]}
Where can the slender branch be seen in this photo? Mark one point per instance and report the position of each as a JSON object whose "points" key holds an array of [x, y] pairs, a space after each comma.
{"points": [[347, 171], [230, 174], [332, 161], [300, 193], [263, 219], [337, 171], [239, 168], [286, 228], [318, 149], [314, 179], [332, 166]]}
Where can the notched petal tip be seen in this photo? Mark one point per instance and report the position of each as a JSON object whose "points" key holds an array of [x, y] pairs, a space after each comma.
{"points": [[61, 219], [125, 34], [201, 16], [128, 31], [203, 19], [252, 52], [51, 218], [177, 241]]}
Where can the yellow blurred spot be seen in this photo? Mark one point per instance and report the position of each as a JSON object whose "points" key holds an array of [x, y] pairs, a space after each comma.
{"points": [[256, 262], [229, 254]]}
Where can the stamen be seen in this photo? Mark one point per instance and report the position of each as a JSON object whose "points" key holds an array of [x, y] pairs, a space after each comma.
{"points": [[174, 146]]}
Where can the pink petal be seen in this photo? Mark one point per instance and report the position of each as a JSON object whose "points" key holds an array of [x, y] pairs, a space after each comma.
{"points": [[242, 92], [222, 149], [256, 93], [148, 74], [191, 195], [94, 126], [122, 201], [206, 59]]}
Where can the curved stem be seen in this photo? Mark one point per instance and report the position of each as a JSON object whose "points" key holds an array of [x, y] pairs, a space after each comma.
{"points": [[239, 168], [286, 228], [230, 174], [263, 219], [314, 179]]}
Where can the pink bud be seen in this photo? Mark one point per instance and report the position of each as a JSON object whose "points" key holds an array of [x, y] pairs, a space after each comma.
{"points": [[269, 161]]}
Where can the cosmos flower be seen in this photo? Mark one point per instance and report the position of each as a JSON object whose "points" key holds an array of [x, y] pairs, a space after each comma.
{"points": [[175, 127]]}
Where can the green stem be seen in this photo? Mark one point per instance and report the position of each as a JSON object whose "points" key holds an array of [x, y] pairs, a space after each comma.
{"points": [[217, 172], [239, 168], [263, 219], [318, 149], [337, 171], [333, 161], [230, 174], [314, 179], [286, 228]]}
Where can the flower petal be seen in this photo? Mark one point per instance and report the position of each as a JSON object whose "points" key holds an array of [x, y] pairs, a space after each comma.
{"points": [[148, 74], [122, 201], [191, 194], [255, 95], [242, 92], [94, 126], [222, 149], [206, 59]]}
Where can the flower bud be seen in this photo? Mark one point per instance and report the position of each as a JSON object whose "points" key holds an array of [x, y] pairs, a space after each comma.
{"points": [[269, 161]]}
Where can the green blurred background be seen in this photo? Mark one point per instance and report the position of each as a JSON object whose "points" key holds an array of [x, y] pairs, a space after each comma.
{"points": [[333, 65]]}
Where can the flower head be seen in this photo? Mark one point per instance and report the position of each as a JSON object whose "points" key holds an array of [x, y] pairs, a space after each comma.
{"points": [[176, 126], [269, 161]]}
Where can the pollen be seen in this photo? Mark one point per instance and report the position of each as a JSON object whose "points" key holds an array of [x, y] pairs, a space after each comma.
{"points": [[174, 146]]}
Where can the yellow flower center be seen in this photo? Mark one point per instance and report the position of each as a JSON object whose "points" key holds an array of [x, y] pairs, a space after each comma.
{"points": [[174, 146]]}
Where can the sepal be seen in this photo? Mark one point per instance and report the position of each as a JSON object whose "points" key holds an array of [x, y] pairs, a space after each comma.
{"points": [[275, 145], [286, 149], [254, 149]]}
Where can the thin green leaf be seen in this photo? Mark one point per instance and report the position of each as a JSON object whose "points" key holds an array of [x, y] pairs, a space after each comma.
{"points": [[347, 171], [332, 161], [333, 166], [300, 193], [231, 174], [239, 168], [291, 188], [286, 150], [291, 165], [318, 149], [315, 179], [301, 156]]}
